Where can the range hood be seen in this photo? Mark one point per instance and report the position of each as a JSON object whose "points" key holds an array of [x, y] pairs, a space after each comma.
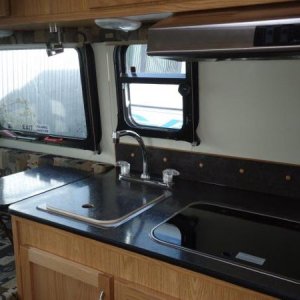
{"points": [[229, 35]]}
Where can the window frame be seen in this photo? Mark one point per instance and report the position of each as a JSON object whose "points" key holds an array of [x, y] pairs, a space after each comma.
{"points": [[90, 102], [190, 100]]}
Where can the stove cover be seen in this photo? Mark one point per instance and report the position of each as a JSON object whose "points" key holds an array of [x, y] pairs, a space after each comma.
{"points": [[257, 242]]}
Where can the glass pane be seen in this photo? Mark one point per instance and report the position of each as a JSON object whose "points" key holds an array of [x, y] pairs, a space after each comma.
{"points": [[158, 105], [42, 94], [136, 57]]}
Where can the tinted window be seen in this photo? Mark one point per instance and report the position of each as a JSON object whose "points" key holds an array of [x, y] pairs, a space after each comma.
{"points": [[155, 104], [41, 94]]}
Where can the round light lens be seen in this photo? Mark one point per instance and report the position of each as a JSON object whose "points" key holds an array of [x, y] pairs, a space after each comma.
{"points": [[118, 24]]}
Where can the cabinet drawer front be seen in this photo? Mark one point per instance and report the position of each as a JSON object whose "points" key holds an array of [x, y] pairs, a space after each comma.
{"points": [[128, 291]]}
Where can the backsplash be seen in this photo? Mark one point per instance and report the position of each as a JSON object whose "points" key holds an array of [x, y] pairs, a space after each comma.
{"points": [[260, 176], [13, 161], [265, 177]]}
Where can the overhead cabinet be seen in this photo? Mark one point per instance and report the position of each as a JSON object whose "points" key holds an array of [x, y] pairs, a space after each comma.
{"points": [[177, 6], [4, 8], [180, 5], [107, 3], [29, 8], [24, 13]]}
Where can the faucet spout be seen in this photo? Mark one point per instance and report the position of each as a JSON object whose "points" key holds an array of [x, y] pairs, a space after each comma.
{"points": [[116, 137]]}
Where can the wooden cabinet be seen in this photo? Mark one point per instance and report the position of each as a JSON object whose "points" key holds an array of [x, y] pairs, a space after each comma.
{"points": [[68, 6], [124, 290], [36, 13], [194, 4], [66, 266], [27, 8], [47, 276], [108, 3], [4, 8]]}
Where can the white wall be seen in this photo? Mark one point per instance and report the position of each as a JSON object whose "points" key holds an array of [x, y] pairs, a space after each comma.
{"points": [[248, 109], [251, 109]]}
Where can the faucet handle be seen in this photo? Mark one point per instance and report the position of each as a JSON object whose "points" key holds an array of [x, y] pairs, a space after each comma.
{"points": [[168, 175], [124, 166]]}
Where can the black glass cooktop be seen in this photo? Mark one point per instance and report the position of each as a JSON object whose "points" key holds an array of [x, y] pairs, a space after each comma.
{"points": [[249, 240]]}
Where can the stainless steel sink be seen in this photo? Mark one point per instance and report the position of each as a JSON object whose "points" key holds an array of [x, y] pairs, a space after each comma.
{"points": [[103, 201]]}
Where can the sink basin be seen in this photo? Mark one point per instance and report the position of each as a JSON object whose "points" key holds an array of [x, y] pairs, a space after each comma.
{"points": [[103, 201], [256, 242]]}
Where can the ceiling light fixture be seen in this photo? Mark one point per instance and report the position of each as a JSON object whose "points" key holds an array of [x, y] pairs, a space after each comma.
{"points": [[118, 24]]}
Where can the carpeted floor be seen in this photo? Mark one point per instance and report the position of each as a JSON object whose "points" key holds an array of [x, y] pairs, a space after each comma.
{"points": [[8, 290]]}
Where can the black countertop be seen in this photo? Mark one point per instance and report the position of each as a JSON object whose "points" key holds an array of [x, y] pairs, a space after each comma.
{"points": [[22, 185], [134, 235]]}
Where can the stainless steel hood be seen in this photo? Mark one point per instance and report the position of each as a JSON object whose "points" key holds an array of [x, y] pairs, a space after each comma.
{"points": [[192, 37]]}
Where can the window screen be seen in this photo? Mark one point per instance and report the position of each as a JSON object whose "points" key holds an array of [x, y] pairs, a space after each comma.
{"points": [[41, 94]]}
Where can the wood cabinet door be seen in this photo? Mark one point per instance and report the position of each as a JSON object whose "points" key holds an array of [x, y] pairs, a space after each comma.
{"points": [[29, 8], [4, 8], [50, 277], [128, 291], [110, 3], [197, 4], [67, 6]]}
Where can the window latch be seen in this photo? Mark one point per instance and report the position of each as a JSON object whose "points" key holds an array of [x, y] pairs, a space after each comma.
{"points": [[54, 44]]}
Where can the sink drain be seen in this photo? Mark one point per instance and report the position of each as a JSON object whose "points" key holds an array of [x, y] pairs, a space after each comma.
{"points": [[87, 205]]}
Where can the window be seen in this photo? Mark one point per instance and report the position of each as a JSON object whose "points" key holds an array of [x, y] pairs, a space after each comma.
{"points": [[156, 97], [49, 99]]}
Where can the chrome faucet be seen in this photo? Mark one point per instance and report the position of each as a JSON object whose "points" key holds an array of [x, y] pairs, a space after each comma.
{"points": [[168, 174], [116, 137]]}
